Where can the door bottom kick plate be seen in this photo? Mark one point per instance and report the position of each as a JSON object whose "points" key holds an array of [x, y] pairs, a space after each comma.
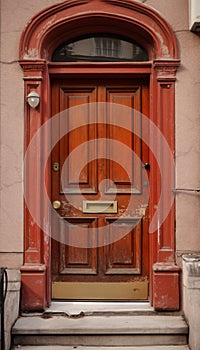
{"points": [[100, 291]]}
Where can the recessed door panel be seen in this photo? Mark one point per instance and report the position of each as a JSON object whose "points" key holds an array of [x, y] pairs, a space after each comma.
{"points": [[74, 178], [73, 258], [123, 256], [127, 176]]}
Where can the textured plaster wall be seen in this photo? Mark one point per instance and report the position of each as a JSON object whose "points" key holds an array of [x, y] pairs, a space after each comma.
{"points": [[187, 124], [14, 16], [188, 143]]}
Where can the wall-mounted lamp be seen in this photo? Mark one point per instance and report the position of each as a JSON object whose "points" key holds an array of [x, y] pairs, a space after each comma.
{"points": [[33, 99]]}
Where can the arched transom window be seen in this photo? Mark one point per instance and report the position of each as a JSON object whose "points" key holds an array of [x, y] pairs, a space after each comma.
{"points": [[98, 48]]}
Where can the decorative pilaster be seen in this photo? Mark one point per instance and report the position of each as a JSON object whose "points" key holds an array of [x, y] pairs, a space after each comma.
{"points": [[165, 271], [33, 272]]}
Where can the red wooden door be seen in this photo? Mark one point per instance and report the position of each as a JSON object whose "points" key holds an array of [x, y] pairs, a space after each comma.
{"points": [[100, 235]]}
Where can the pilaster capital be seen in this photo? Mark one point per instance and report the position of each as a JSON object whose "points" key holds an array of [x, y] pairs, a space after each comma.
{"points": [[166, 69], [33, 69]]}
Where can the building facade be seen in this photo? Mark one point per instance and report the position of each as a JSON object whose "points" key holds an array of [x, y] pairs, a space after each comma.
{"points": [[136, 54]]}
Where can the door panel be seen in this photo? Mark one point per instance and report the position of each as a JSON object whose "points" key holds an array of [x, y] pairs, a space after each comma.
{"points": [[127, 181], [99, 249], [124, 255], [87, 179], [75, 260]]}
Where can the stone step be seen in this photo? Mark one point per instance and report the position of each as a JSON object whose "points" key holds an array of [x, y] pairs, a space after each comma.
{"points": [[60, 347], [89, 308], [100, 331]]}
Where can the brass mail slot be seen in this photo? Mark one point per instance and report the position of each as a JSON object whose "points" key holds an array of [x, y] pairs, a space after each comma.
{"points": [[99, 207]]}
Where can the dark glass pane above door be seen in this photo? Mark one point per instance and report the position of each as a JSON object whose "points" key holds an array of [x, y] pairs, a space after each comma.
{"points": [[100, 49]]}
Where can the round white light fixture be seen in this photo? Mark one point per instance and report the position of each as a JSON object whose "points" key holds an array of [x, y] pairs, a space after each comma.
{"points": [[33, 99]]}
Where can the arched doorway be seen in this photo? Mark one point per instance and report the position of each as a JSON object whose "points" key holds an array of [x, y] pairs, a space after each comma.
{"points": [[44, 34]]}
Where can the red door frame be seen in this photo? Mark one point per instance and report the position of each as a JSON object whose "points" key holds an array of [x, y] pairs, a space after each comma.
{"points": [[40, 38]]}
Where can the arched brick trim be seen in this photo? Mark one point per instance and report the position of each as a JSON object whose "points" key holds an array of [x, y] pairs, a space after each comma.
{"points": [[43, 34]]}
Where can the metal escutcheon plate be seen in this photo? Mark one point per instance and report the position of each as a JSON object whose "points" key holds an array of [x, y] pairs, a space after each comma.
{"points": [[56, 205]]}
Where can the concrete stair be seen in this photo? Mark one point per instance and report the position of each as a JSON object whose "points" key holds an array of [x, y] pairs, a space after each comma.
{"points": [[58, 347], [135, 332]]}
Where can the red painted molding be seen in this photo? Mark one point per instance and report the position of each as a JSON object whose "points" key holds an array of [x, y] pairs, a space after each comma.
{"points": [[33, 281], [166, 69], [166, 291], [77, 17], [99, 68], [44, 32]]}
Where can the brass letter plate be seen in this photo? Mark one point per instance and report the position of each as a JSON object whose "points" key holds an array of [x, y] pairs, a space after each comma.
{"points": [[99, 207]]}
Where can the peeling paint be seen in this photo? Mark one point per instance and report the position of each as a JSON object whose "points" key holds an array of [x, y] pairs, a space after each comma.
{"points": [[164, 48], [31, 53], [45, 27], [142, 210]]}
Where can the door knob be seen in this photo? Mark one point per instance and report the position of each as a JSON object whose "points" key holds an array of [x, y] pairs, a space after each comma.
{"points": [[56, 205]]}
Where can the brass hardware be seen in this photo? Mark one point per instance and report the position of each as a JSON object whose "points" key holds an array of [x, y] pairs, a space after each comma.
{"points": [[56, 167], [100, 206], [137, 290], [56, 205]]}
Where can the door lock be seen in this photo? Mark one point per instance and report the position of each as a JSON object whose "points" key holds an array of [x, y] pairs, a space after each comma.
{"points": [[56, 205], [56, 167]]}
